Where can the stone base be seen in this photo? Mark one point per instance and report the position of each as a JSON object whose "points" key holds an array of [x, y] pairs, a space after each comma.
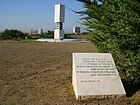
{"points": [[58, 34]]}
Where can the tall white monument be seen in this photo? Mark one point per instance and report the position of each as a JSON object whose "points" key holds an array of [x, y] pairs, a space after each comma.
{"points": [[59, 19]]}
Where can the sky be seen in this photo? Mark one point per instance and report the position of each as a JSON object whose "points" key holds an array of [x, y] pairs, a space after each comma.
{"points": [[25, 15]]}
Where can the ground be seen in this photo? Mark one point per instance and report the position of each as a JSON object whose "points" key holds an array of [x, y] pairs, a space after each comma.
{"points": [[41, 74]]}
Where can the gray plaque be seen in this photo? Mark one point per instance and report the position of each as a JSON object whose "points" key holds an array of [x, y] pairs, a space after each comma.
{"points": [[95, 75]]}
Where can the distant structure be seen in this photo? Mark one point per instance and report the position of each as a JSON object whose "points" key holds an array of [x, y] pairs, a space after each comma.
{"points": [[39, 31], [35, 32], [76, 30], [59, 19]]}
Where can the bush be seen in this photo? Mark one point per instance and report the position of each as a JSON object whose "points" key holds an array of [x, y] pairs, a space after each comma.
{"points": [[12, 34], [115, 28]]}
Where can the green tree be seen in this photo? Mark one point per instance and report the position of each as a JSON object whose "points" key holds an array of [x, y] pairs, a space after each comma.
{"points": [[49, 34], [12, 34], [115, 28]]}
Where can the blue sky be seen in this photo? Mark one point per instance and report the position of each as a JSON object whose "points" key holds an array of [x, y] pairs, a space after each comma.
{"points": [[25, 15]]}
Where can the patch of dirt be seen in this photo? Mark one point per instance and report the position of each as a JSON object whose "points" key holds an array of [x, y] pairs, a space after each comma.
{"points": [[41, 74]]}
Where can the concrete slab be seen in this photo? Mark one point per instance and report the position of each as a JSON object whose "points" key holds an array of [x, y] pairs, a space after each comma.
{"points": [[95, 75], [64, 40]]}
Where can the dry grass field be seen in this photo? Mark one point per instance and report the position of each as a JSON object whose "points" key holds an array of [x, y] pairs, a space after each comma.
{"points": [[41, 74]]}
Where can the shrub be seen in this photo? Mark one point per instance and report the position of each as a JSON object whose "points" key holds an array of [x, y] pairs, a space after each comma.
{"points": [[115, 28], [12, 34]]}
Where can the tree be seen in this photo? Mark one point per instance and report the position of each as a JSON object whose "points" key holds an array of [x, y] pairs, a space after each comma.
{"points": [[12, 34], [115, 28]]}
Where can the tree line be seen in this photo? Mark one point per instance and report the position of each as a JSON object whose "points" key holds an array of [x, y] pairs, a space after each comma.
{"points": [[19, 35], [12, 34]]}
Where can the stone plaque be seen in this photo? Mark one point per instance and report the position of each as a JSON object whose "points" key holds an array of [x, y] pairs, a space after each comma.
{"points": [[95, 75]]}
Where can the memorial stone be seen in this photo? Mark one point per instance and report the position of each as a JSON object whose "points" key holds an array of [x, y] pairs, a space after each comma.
{"points": [[95, 75]]}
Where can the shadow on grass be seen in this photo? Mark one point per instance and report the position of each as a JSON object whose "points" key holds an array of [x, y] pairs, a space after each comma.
{"points": [[130, 89]]}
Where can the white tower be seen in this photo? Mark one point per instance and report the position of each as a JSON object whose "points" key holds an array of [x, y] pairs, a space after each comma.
{"points": [[39, 31], [59, 19]]}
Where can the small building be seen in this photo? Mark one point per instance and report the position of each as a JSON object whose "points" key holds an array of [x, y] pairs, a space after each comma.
{"points": [[39, 31], [76, 30], [33, 32]]}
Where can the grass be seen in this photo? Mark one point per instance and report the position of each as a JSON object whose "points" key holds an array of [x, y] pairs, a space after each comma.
{"points": [[19, 41], [28, 41], [41, 74], [136, 98], [86, 36]]}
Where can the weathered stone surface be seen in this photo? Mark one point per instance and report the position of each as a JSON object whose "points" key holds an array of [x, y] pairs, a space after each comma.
{"points": [[95, 75]]}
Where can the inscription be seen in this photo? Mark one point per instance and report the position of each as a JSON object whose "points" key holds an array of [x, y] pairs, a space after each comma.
{"points": [[96, 67], [89, 81]]}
